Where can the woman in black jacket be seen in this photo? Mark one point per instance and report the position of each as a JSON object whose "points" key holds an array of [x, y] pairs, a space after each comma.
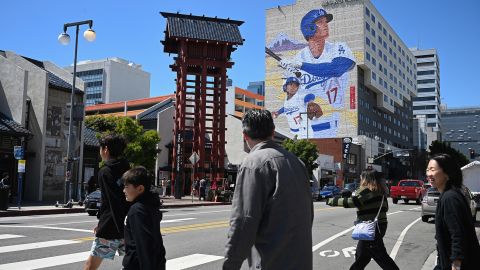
{"points": [[457, 243]]}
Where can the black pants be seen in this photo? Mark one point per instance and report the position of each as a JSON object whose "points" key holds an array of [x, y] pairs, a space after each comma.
{"points": [[367, 250]]}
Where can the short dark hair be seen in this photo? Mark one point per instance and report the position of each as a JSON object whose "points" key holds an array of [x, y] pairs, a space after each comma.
{"points": [[116, 144], [451, 168], [258, 124], [138, 176]]}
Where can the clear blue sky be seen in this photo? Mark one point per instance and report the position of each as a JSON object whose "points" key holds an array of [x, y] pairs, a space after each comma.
{"points": [[133, 30]]}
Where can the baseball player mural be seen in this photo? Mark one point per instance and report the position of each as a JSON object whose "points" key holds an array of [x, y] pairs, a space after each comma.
{"points": [[315, 79]]}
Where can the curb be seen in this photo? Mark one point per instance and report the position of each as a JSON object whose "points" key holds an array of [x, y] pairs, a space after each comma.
{"points": [[193, 205], [16, 213]]}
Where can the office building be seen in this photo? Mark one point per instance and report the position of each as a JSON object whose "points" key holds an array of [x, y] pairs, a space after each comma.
{"points": [[112, 79], [257, 87], [365, 93], [461, 129], [426, 105]]}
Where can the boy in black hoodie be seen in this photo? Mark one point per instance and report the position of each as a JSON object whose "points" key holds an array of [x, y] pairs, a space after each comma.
{"points": [[109, 231], [143, 241]]}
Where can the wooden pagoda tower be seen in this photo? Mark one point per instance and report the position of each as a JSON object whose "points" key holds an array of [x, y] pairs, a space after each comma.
{"points": [[203, 46]]}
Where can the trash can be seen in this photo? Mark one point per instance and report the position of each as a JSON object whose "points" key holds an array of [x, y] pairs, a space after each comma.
{"points": [[4, 191]]}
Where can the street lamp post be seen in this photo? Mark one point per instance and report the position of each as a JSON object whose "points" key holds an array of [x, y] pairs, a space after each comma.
{"points": [[64, 39]]}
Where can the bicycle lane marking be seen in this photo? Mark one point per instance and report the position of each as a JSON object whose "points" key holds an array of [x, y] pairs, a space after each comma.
{"points": [[399, 242]]}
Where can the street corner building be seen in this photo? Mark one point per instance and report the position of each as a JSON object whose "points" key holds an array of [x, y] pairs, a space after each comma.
{"points": [[35, 96], [336, 70]]}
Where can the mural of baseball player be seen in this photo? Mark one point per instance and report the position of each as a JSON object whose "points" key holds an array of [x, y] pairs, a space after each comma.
{"points": [[323, 68], [297, 103]]}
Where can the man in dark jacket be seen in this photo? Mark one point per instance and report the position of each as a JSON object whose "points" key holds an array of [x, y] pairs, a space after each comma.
{"points": [[109, 231], [272, 209], [143, 241]]}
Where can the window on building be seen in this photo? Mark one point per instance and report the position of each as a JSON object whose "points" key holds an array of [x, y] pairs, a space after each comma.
{"points": [[423, 99], [373, 18], [384, 44], [379, 26], [373, 32], [374, 48], [425, 56], [431, 124], [426, 72], [374, 61], [367, 12], [374, 76], [431, 116], [367, 41], [427, 64], [425, 107], [367, 56], [394, 43], [384, 32], [426, 90], [367, 26], [352, 159], [426, 81], [380, 54]]}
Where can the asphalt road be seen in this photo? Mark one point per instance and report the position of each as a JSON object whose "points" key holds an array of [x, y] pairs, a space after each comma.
{"points": [[195, 237]]}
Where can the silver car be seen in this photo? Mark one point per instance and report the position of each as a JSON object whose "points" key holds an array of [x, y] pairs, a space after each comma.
{"points": [[429, 203]]}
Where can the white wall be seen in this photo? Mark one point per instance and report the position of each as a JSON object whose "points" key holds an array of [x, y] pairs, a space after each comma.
{"points": [[125, 83]]}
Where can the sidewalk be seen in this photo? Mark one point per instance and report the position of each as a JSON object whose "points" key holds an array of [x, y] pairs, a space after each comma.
{"points": [[29, 209]]}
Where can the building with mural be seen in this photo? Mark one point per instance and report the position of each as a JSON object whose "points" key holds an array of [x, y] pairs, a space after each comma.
{"points": [[337, 69]]}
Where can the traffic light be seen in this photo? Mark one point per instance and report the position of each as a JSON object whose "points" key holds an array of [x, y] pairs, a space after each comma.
{"points": [[472, 153]]}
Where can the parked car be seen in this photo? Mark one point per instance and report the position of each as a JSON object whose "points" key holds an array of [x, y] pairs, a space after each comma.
{"points": [[328, 192], [408, 190], [430, 200], [349, 189], [93, 202], [314, 189]]}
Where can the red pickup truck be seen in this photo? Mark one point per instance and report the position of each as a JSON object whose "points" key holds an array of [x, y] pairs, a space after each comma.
{"points": [[408, 190]]}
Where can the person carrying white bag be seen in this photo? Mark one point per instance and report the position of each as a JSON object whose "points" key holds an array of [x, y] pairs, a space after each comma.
{"points": [[371, 201]]}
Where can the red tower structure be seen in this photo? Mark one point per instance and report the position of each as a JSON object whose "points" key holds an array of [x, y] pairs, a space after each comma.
{"points": [[203, 46]]}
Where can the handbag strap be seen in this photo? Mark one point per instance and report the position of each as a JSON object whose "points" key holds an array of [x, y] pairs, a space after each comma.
{"points": [[380, 209]]}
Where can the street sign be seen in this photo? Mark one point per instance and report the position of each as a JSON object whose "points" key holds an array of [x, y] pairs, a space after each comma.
{"points": [[21, 165], [18, 152], [194, 158], [370, 160]]}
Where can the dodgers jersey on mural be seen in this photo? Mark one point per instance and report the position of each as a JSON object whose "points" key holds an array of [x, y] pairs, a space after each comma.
{"points": [[292, 109], [326, 77]]}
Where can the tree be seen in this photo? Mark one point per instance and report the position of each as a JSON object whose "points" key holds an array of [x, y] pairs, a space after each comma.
{"points": [[141, 145], [305, 150], [438, 147]]}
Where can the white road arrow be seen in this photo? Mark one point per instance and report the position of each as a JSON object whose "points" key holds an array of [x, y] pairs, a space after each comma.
{"points": [[329, 253], [349, 250]]}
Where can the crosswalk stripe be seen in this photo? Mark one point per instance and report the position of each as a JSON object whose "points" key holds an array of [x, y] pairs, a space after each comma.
{"points": [[46, 262], [173, 264], [36, 245], [189, 261], [9, 236]]}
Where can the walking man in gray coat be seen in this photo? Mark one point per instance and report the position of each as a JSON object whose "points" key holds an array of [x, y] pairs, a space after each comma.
{"points": [[272, 209]]}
